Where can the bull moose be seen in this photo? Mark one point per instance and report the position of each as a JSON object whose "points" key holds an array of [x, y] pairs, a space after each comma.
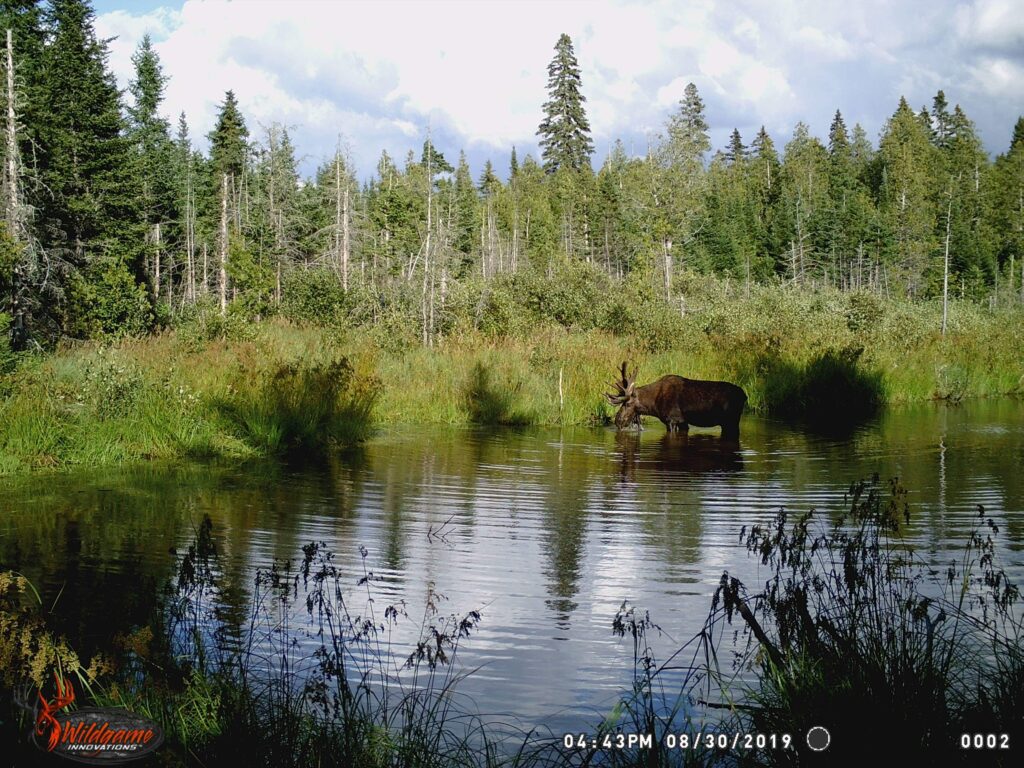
{"points": [[679, 402]]}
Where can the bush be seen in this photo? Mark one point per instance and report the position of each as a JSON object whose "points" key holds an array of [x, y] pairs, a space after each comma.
{"points": [[313, 296], [850, 621], [296, 407], [107, 302]]}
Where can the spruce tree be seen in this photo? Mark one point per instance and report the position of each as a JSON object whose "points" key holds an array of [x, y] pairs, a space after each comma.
{"points": [[688, 139], [907, 193], [565, 131], [228, 139], [89, 216], [149, 134], [465, 225], [83, 157], [941, 121], [767, 183], [736, 151]]}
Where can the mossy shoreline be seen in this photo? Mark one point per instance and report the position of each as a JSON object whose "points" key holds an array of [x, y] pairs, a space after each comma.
{"points": [[234, 389]]}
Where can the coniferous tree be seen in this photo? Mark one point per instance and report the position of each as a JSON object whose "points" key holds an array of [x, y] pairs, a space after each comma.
{"points": [[906, 195], [89, 217], [765, 176], [941, 121], [678, 182], [565, 131], [149, 134], [1007, 213], [228, 148], [967, 179], [804, 200], [465, 217], [736, 152]]}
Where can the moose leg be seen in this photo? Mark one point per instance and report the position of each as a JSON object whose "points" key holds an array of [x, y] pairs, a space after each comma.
{"points": [[731, 429]]}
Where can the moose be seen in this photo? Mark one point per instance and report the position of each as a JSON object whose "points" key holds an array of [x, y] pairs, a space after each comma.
{"points": [[678, 402]]}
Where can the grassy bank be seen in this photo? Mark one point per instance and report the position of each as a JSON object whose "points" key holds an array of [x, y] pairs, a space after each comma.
{"points": [[231, 388], [175, 397]]}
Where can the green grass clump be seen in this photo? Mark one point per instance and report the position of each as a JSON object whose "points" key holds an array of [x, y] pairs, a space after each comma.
{"points": [[297, 407], [851, 621]]}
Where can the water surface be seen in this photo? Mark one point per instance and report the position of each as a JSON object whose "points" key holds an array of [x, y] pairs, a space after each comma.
{"points": [[544, 531]]}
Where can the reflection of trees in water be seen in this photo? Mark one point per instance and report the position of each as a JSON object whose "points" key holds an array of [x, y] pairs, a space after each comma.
{"points": [[667, 480], [109, 534]]}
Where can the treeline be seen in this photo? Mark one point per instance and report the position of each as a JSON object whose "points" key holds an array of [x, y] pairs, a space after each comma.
{"points": [[115, 224]]}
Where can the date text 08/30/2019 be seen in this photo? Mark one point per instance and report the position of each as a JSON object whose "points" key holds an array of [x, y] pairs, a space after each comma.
{"points": [[730, 741]]}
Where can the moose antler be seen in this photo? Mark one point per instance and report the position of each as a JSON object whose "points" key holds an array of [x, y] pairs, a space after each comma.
{"points": [[623, 388]]}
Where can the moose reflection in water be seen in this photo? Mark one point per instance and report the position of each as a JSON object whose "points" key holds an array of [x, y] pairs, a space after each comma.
{"points": [[676, 453], [679, 402]]}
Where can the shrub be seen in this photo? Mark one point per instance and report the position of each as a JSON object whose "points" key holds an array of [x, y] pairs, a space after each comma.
{"points": [[313, 296], [298, 407]]}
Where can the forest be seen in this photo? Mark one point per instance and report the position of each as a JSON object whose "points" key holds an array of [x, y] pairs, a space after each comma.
{"points": [[757, 261]]}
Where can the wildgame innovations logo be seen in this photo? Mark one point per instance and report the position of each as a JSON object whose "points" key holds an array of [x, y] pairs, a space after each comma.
{"points": [[94, 735]]}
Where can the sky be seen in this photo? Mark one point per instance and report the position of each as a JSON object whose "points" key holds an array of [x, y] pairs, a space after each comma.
{"points": [[378, 76]]}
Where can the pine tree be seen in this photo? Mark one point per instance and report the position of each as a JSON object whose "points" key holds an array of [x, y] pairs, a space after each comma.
{"points": [[89, 215], [83, 155], [942, 127], [489, 182], [677, 182], [1007, 212], [149, 134], [466, 217], [804, 201], [736, 152], [228, 139], [564, 131], [228, 149], [767, 183], [688, 139], [906, 194], [513, 165], [967, 179]]}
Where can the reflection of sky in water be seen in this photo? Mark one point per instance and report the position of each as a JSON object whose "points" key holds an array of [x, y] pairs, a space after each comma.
{"points": [[544, 532]]}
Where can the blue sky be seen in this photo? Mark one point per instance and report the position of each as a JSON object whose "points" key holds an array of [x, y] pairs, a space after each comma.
{"points": [[377, 75]]}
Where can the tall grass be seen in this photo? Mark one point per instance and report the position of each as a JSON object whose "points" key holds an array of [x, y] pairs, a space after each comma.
{"points": [[853, 632], [170, 397], [224, 387]]}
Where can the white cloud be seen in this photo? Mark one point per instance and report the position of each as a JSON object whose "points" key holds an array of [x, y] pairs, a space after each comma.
{"points": [[378, 73]]}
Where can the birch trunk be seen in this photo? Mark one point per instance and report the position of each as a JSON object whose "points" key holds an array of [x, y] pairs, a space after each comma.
{"points": [[224, 244]]}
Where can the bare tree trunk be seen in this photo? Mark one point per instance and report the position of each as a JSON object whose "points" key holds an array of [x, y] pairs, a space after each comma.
{"points": [[1010, 293], [13, 211], [345, 238], [156, 260], [224, 244], [666, 245], [426, 247], [945, 266]]}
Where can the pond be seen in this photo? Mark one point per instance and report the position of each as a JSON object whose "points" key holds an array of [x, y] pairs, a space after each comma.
{"points": [[545, 532]]}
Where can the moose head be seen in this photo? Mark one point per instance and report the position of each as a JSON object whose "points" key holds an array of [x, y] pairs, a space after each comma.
{"points": [[626, 398]]}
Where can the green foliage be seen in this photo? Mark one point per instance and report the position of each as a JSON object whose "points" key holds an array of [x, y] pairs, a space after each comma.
{"points": [[493, 402], [565, 131], [228, 140], [300, 407], [106, 301], [314, 296], [8, 358], [253, 280]]}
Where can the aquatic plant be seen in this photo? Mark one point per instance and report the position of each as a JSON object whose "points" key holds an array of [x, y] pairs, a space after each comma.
{"points": [[851, 620]]}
